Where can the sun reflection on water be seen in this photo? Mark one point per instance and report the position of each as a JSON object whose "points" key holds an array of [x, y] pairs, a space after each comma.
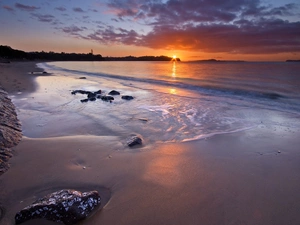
{"points": [[174, 70], [173, 91]]}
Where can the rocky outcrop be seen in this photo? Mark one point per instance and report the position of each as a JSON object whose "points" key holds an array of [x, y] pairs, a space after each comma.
{"points": [[10, 130], [64, 206]]}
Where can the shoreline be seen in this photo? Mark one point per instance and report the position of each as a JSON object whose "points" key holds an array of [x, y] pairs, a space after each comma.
{"points": [[13, 81], [249, 177], [10, 130], [16, 76]]}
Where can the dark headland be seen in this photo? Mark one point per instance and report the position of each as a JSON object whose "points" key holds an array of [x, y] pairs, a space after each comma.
{"points": [[7, 53]]}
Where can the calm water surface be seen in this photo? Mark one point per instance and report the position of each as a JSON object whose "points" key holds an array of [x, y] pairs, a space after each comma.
{"points": [[180, 101]]}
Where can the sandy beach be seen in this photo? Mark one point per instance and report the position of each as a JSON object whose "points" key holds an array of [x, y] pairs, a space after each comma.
{"points": [[249, 177]]}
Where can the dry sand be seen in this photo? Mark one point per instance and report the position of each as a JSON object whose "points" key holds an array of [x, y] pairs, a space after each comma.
{"points": [[250, 177]]}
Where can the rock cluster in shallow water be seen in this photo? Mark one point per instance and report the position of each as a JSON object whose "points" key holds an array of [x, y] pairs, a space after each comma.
{"points": [[65, 206], [93, 96]]}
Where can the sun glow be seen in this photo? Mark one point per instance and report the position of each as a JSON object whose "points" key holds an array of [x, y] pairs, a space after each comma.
{"points": [[174, 57]]}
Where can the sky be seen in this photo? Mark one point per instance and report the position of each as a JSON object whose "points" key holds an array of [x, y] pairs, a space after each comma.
{"points": [[253, 30]]}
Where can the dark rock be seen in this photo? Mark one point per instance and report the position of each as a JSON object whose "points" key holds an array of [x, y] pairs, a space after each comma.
{"points": [[91, 95], [127, 97], [4, 61], [88, 93], [64, 206], [133, 140], [107, 98], [92, 99], [82, 78], [80, 92], [98, 92], [113, 92], [84, 100], [45, 72], [143, 119]]}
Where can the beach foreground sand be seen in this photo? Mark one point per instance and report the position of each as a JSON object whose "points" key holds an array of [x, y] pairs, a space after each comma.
{"points": [[249, 177]]}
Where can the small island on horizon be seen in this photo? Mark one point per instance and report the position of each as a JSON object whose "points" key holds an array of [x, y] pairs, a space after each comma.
{"points": [[7, 53], [293, 60], [216, 61]]}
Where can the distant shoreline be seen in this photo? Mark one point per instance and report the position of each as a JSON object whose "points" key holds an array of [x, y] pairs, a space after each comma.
{"points": [[291, 60], [7, 53], [218, 61]]}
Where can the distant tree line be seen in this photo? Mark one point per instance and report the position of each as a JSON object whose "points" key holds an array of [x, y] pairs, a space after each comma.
{"points": [[8, 53], [140, 58]]}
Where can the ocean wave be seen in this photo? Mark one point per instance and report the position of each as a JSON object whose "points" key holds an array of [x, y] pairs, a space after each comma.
{"points": [[266, 97]]}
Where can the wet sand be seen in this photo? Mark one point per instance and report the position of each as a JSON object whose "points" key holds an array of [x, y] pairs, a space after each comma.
{"points": [[249, 177], [19, 76]]}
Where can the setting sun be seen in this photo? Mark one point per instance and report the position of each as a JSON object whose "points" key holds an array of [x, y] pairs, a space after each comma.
{"points": [[174, 57]]}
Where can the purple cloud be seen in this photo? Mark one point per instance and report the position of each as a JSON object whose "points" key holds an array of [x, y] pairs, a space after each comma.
{"points": [[73, 30], [8, 8], [286, 10], [26, 7], [77, 9], [62, 9], [43, 18], [240, 26], [272, 36], [109, 35]]}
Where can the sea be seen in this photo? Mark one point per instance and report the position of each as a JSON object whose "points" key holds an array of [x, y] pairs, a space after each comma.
{"points": [[172, 101]]}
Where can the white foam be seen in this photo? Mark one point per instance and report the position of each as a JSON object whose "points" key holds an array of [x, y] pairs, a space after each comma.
{"points": [[191, 114], [204, 136], [164, 109]]}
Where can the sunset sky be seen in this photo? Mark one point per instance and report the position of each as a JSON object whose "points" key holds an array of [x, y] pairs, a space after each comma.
{"points": [[191, 29]]}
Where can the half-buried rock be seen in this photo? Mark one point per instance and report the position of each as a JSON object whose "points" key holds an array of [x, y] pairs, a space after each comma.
{"points": [[133, 140], [127, 97], [64, 206], [113, 92]]}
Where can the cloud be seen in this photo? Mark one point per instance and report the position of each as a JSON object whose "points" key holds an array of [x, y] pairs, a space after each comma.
{"points": [[62, 9], [235, 26], [8, 8], [240, 26], [79, 10], [176, 11], [43, 18], [74, 30], [26, 7], [286, 10], [270, 36], [111, 35]]}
